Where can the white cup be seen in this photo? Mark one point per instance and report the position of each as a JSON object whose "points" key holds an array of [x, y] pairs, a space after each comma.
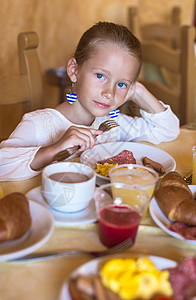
{"points": [[68, 197]]}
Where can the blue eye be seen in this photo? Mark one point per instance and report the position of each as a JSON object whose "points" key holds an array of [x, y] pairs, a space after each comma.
{"points": [[122, 85], [99, 76]]}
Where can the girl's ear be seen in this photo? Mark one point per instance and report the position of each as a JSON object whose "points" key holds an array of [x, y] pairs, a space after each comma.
{"points": [[72, 68]]}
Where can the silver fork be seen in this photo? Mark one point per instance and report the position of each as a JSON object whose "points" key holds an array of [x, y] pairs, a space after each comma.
{"points": [[104, 126], [188, 177], [126, 244]]}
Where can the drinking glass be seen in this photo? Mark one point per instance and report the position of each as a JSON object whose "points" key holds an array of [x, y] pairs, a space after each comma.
{"points": [[119, 218], [1, 192], [139, 176], [194, 165]]}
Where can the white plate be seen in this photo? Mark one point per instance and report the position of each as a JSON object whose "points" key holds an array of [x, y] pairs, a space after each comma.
{"points": [[162, 221], [107, 150], [86, 216], [41, 230], [91, 268]]}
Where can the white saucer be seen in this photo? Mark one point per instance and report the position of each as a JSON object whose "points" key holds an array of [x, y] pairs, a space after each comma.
{"points": [[85, 216]]}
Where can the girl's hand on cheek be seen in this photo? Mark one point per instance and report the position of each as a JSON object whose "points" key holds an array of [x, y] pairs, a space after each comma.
{"points": [[144, 99], [133, 92]]}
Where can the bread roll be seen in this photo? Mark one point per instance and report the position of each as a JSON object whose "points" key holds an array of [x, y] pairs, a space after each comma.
{"points": [[15, 217], [175, 199]]}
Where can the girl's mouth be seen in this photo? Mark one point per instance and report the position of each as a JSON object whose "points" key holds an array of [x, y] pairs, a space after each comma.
{"points": [[102, 105]]}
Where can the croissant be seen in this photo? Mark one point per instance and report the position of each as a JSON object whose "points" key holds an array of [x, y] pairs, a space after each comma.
{"points": [[175, 199], [15, 217], [174, 179]]}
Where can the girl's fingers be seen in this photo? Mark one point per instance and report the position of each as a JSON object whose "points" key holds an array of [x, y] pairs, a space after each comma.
{"points": [[96, 132], [88, 135], [85, 138]]}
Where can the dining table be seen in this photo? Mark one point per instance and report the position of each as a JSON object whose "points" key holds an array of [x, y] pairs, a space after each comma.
{"points": [[43, 279]]}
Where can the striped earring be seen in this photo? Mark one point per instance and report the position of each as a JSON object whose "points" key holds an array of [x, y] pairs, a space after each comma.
{"points": [[71, 97], [114, 114]]}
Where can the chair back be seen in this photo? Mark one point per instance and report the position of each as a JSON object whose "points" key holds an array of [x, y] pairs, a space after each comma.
{"points": [[166, 33], [179, 61], [25, 87]]}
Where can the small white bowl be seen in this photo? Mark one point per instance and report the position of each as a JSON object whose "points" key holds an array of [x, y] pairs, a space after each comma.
{"points": [[68, 197]]}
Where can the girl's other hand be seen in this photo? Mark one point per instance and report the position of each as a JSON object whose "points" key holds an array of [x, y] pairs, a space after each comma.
{"points": [[144, 99]]}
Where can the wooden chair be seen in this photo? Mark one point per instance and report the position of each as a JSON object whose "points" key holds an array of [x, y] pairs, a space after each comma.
{"points": [[26, 87], [166, 33], [162, 32], [181, 62]]}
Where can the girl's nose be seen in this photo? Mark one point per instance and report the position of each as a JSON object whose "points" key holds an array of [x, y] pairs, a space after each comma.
{"points": [[108, 92]]}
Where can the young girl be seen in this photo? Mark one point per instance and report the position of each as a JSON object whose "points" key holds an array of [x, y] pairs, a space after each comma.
{"points": [[103, 73]]}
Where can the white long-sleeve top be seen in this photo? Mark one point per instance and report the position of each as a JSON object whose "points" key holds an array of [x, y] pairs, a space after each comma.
{"points": [[44, 127]]}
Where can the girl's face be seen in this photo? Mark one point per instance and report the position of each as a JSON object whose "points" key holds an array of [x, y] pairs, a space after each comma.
{"points": [[104, 80]]}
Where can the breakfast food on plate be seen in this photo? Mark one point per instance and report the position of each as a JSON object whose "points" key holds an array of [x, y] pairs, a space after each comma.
{"points": [[153, 164], [183, 278], [123, 278], [178, 204], [124, 157], [15, 217], [104, 169], [174, 179], [186, 231], [136, 278], [176, 200]]}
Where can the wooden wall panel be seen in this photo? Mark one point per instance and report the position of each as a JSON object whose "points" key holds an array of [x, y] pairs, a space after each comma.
{"points": [[59, 25]]}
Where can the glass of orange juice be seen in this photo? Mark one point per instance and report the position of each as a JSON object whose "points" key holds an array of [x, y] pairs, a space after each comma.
{"points": [[139, 176], [194, 165]]}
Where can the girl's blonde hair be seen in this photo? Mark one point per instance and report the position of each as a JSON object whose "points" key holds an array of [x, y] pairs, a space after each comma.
{"points": [[107, 32]]}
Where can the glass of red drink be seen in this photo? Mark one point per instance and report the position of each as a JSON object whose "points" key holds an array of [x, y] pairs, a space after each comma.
{"points": [[117, 219]]}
